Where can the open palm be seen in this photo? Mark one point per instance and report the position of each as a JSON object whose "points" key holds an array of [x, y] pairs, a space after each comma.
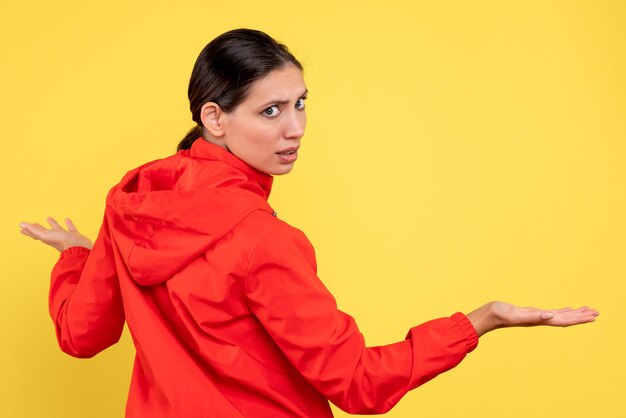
{"points": [[56, 237]]}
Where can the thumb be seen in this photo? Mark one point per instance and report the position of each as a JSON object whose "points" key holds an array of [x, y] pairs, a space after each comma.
{"points": [[546, 315]]}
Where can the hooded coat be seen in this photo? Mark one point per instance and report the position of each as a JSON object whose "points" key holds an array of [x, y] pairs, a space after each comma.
{"points": [[225, 309]]}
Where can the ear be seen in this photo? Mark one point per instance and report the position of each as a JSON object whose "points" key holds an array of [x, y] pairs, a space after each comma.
{"points": [[211, 116]]}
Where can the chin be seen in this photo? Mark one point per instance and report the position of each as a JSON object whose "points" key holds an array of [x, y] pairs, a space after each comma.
{"points": [[280, 171]]}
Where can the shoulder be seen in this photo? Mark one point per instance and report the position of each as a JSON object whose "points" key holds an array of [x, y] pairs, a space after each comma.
{"points": [[281, 258], [275, 239], [273, 231]]}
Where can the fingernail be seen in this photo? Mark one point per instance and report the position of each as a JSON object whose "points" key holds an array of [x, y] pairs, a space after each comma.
{"points": [[22, 225]]}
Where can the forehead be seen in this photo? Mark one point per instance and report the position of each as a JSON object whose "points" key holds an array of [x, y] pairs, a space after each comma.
{"points": [[285, 83]]}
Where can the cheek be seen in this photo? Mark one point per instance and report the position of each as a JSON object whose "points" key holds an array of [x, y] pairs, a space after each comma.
{"points": [[255, 143], [243, 135], [253, 139], [263, 137]]}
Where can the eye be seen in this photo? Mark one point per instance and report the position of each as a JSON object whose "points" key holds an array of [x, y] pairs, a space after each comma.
{"points": [[271, 111], [300, 103]]}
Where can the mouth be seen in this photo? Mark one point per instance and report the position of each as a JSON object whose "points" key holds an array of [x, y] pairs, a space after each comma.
{"points": [[288, 151], [288, 155]]}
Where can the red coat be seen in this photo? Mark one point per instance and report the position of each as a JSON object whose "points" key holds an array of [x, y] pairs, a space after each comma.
{"points": [[224, 306]]}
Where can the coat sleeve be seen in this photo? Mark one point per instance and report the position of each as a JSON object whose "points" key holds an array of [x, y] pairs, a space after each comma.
{"points": [[326, 346], [85, 302]]}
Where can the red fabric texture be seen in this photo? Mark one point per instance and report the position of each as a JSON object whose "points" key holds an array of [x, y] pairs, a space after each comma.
{"points": [[224, 305]]}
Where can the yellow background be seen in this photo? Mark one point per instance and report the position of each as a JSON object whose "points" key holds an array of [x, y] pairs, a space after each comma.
{"points": [[456, 152]]}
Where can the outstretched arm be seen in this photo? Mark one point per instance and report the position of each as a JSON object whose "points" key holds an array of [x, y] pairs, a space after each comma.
{"points": [[494, 315], [325, 345], [88, 279]]}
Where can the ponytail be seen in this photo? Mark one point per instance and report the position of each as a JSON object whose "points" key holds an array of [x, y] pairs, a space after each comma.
{"points": [[195, 133]]}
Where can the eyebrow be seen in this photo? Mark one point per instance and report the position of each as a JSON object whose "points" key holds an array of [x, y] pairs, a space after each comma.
{"points": [[282, 102]]}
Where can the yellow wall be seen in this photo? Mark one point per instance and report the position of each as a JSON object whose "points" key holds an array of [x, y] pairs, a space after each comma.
{"points": [[456, 152]]}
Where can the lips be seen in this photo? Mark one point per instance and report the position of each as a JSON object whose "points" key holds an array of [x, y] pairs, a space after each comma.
{"points": [[288, 155], [288, 151]]}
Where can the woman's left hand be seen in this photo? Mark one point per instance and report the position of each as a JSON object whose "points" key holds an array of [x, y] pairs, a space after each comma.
{"points": [[496, 315], [56, 237]]}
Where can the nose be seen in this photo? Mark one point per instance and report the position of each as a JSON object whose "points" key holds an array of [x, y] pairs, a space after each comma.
{"points": [[295, 124]]}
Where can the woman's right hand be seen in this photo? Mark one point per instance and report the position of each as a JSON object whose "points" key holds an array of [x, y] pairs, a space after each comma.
{"points": [[56, 237]]}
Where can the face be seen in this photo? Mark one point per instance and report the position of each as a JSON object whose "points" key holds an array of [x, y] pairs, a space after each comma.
{"points": [[266, 128]]}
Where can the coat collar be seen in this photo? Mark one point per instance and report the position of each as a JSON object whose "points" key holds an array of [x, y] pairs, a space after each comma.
{"points": [[201, 148]]}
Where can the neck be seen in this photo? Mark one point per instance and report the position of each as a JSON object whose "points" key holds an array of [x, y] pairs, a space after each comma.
{"points": [[219, 141]]}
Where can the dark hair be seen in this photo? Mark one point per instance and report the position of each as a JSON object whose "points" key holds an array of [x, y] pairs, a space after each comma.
{"points": [[227, 67]]}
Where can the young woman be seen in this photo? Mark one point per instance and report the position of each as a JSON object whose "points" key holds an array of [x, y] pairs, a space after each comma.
{"points": [[221, 297]]}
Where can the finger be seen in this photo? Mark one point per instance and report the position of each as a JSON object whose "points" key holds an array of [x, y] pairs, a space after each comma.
{"points": [[33, 230], [562, 310], [28, 233], [53, 223], [70, 225], [585, 319], [586, 311], [572, 318], [532, 317], [591, 311]]}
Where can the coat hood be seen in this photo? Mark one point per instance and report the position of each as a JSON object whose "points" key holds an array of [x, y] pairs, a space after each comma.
{"points": [[166, 213]]}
